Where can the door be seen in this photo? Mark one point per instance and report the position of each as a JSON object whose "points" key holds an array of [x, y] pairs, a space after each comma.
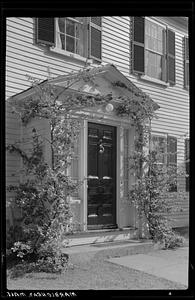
{"points": [[101, 176]]}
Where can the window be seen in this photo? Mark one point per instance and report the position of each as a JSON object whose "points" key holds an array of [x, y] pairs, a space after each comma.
{"points": [[186, 62], [79, 37], [153, 50], [166, 151], [187, 162], [159, 145], [70, 34]]}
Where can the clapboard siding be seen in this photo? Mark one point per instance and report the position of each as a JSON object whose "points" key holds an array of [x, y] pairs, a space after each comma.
{"points": [[24, 57]]}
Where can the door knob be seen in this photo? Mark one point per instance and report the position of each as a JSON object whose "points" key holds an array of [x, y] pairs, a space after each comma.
{"points": [[101, 147]]}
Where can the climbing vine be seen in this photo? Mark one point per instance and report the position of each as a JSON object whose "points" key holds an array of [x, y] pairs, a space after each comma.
{"points": [[43, 196], [150, 193]]}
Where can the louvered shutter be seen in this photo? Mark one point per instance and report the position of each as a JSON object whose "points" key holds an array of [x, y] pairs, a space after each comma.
{"points": [[45, 31], [170, 56], [138, 45], [186, 61], [172, 158], [95, 38]]}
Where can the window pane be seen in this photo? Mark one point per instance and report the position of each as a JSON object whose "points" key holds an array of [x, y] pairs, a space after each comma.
{"points": [[153, 65], [61, 24], [70, 27], [153, 37], [62, 39], [70, 44]]}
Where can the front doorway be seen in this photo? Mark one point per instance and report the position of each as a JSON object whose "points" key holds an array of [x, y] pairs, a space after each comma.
{"points": [[101, 196]]}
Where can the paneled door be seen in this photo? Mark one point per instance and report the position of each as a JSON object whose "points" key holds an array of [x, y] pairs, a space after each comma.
{"points": [[101, 176]]}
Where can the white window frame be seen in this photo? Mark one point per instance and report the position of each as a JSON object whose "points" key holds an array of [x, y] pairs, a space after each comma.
{"points": [[163, 54], [58, 50]]}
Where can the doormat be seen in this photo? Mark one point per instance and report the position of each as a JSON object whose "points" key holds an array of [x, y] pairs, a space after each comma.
{"points": [[109, 244]]}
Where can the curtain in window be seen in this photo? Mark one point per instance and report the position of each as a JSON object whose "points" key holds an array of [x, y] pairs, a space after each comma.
{"points": [[70, 35], [154, 50]]}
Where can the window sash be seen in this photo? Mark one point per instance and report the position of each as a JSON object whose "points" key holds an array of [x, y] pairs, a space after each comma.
{"points": [[152, 68], [63, 37]]}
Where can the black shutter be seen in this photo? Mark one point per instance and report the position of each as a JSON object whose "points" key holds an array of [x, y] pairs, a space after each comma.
{"points": [[172, 159], [45, 31], [95, 38], [171, 56], [138, 45], [186, 62], [187, 162]]}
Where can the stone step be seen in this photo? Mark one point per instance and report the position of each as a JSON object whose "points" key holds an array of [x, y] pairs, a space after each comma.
{"points": [[95, 237], [84, 253]]}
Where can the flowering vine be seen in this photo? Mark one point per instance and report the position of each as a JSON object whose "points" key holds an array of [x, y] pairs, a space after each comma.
{"points": [[150, 193]]}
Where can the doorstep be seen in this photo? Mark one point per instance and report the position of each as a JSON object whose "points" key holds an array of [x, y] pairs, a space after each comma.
{"points": [[84, 253], [101, 236]]}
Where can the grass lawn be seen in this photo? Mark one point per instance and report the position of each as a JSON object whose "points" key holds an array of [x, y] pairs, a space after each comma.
{"points": [[96, 274]]}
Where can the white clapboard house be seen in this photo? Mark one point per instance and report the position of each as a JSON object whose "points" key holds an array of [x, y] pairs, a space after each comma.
{"points": [[148, 54]]}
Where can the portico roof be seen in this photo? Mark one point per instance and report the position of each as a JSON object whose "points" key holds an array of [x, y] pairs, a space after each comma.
{"points": [[107, 72]]}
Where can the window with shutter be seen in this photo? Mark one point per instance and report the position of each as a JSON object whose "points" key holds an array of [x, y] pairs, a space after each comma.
{"points": [[95, 38], [78, 37], [153, 49], [186, 62], [187, 162], [45, 31]]}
